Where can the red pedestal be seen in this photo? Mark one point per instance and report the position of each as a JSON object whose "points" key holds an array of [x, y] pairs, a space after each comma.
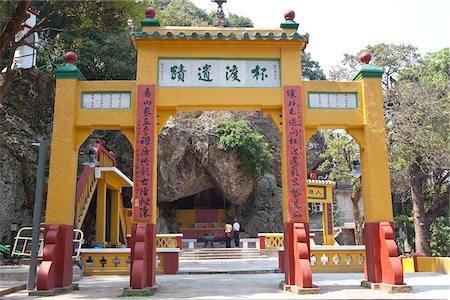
{"points": [[382, 265], [281, 260], [296, 255], [262, 242], [415, 256], [179, 240], [56, 269], [143, 256], [171, 263]]}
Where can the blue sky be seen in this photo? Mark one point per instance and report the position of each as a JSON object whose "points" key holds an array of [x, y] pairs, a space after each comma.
{"points": [[346, 26]]}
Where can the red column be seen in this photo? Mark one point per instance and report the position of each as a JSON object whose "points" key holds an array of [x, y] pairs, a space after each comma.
{"points": [[296, 259], [143, 256], [382, 265], [143, 244], [56, 269], [296, 226]]}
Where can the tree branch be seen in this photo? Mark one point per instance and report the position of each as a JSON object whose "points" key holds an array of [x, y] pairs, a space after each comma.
{"points": [[13, 26]]}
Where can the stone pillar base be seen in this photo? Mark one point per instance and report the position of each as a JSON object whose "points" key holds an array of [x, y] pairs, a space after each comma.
{"points": [[148, 291], [385, 287], [55, 291], [298, 290]]}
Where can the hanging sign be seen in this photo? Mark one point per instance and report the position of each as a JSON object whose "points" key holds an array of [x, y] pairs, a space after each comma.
{"points": [[106, 100], [295, 154], [218, 73], [333, 100], [144, 154]]}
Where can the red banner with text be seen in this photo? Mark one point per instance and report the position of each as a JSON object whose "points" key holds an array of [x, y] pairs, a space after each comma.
{"points": [[295, 154], [144, 154]]}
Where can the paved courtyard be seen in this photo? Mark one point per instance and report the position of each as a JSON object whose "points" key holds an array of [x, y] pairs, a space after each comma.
{"points": [[255, 286]]}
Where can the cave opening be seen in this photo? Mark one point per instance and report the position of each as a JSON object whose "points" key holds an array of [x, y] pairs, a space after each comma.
{"points": [[199, 214]]}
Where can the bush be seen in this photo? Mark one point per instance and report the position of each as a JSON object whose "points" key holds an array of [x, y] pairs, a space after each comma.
{"points": [[252, 150], [439, 237]]}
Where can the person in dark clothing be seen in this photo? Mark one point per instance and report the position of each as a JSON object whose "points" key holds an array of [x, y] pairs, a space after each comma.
{"points": [[236, 229]]}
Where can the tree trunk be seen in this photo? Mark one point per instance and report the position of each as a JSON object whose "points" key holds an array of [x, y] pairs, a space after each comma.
{"points": [[12, 27], [420, 223], [356, 197]]}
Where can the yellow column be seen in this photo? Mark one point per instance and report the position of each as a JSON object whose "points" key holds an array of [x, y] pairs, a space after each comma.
{"points": [[64, 155], [376, 189], [115, 218], [100, 219]]}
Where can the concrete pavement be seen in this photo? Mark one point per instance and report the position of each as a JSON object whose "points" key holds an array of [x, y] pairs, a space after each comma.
{"points": [[254, 286], [240, 282]]}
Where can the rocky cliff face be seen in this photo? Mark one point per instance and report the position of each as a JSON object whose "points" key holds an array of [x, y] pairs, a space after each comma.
{"points": [[189, 161], [26, 112]]}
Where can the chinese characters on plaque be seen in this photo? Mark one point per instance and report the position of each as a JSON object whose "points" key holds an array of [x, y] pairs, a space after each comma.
{"points": [[144, 154], [116, 100], [317, 193], [333, 100], [295, 154], [218, 73]]}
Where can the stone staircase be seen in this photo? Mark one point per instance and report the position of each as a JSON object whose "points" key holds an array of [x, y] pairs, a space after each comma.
{"points": [[221, 253]]}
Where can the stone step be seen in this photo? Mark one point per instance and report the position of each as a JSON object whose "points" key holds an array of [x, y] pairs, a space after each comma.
{"points": [[221, 253], [221, 257]]}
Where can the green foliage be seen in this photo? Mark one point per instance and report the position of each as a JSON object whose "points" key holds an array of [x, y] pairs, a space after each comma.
{"points": [[341, 150], [391, 57], [311, 69], [180, 13], [98, 31], [234, 20], [136, 294], [408, 220], [439, 238], [252, 150]]}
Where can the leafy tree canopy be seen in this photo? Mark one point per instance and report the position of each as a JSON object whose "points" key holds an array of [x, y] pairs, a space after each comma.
{"points": [[98, 31], [253, 152], [311, 69]]}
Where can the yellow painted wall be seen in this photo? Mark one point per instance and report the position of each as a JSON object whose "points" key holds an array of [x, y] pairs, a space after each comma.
{"points": [[408, 265], [187, 217], [434, 264]]}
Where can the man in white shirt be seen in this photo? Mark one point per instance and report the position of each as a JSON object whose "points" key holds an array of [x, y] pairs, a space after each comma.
{"points": [[236, 229]]}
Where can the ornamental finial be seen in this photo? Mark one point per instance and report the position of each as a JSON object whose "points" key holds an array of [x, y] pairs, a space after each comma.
{"points": [[220, 15], [289, 15], [365, 57], [71, 57], [150, 13]]}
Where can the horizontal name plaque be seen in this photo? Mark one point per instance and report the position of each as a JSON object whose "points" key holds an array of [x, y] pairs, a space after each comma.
{"points": [[333, 100], [106, 100], [218, 73]]}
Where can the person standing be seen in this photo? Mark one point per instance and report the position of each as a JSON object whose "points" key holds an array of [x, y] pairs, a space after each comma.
{"points": [[228, 230], [236, 229]]}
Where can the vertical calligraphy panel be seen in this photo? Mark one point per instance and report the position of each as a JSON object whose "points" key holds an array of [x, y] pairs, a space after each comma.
{"points": [[330, 224], [295, 155], [144, 154]]}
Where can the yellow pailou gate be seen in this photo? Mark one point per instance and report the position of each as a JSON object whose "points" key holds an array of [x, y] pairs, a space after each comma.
{"points": [[216, 68]]}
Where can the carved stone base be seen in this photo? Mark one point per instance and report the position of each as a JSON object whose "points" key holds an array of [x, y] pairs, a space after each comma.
{"points": [[298, 290], [385, 287], [54, 291], [148, 291]]}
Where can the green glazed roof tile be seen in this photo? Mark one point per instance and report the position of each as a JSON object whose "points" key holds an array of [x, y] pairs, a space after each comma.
{"points": [[220, 35]]}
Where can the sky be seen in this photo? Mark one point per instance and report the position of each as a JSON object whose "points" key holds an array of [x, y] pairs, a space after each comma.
{"points": [[347, 26]]}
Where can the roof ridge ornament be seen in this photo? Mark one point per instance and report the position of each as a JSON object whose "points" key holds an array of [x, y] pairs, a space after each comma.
{"points": [[220, 15], [150, 20], [289, 22]]}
